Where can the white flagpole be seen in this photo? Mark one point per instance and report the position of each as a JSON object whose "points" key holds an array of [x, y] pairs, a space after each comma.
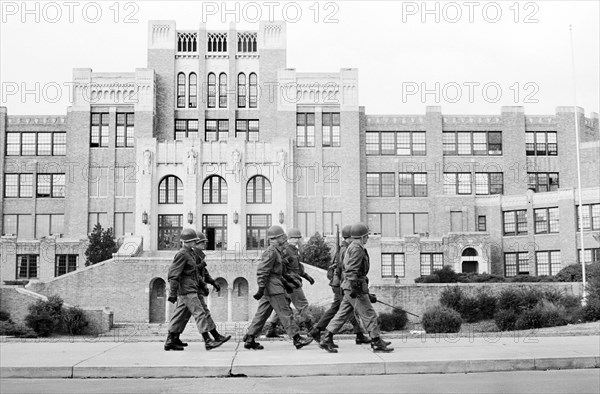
{"points": [[580, 207]]}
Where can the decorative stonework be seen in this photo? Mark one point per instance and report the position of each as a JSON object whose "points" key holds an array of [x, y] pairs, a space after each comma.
{"points": [[472, 120], [37, 119]]}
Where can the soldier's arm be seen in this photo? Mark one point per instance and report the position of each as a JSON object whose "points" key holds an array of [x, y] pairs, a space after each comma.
{"points": [[352, 263], [175, 271], [265, 267]]}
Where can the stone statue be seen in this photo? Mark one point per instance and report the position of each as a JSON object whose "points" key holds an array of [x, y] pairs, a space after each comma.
{"points": [[192, 160], [237, 157], [147, 161]]}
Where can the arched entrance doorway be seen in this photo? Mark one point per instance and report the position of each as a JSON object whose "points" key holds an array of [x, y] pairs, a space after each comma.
{"points": [[240, 300], [469, 261], [157, 301]]}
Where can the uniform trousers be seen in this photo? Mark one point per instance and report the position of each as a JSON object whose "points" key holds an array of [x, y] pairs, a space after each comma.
{"points": [[298, 299], [267, 304], [338, 296], [188, 305], [364, 311]]}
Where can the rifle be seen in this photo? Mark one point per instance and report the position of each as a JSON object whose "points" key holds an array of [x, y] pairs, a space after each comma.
{"points": [[398, 309]]}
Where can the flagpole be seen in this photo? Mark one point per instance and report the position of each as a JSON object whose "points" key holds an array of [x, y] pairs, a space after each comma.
{"points": [[580, 206]]}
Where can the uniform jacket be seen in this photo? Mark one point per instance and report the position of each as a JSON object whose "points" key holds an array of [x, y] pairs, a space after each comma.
{"points": [[270, 270], [336, 280], [356, 266], [183, 273], [293, 266], [203, 275]]}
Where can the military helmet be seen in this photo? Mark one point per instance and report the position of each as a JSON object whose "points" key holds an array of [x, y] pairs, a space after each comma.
{"points": [[347, 231], [201, 237], [359, 230], [294, 233], [274, 232], [188, 234]]}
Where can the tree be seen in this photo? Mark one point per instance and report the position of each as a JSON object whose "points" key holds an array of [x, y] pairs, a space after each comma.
{"points": [[101, 245], [316, 252]]}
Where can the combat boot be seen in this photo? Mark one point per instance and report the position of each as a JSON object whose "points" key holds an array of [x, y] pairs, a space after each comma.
{"points": [[272, 331], [378, 345], [327, 342], [218, 341], [250, 343], [178, 341], [315, 333], [300, 341], [361, 339], [170, 344]]}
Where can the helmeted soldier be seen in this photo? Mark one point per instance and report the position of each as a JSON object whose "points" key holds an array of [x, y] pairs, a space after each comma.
{"points": [[338, 294], [294, 273], [186, 288], [271, 293], [356, 294]]}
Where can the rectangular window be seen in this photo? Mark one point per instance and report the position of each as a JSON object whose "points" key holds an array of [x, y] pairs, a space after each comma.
{"points": [[215, 226], [50, 185], [414, 223], [380, 184], [305, 129], [19, 225], [382, 223], [306, 222], [247, 129], [98, 181], [40, 144], [27, 266], [186, 128], [123, 223], [547, 262], [59, 141], [46, 225], [372, 143], [516, 263], [489, 183], [28, 144], [97, 218], [392, 265], [401, 143], [256, 231], [216, 130], [331, 181], [457, 183], [13, 144], [542, 181], [412, 184], [546, 220], [124, 181], [515, 222], [591, 217], [331, 129], [44, 144], [431, 262], [18, 185], [475, 143], [125, 130], [99, 130], [330, 219], [65, 263], [541, 143], [481, 223], [590, 255]]}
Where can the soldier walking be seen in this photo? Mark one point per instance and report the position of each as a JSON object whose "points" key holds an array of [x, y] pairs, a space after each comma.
{"points": [[338, 295], [185, 285], [271, 293], [356, 294], [294, 274]]}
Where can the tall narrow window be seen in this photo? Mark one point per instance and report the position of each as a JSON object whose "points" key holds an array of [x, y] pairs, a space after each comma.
{"points": [[253, 88], [193, 91], [214, 190], [125, 130], [305, 129], [256, 231], [241, 90], [258, 190], [223, 90], [212, 90], [99, 131], [181, 90], [170, 190], [331, 129]]}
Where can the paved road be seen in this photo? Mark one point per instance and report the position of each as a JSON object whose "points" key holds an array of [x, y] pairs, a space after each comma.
{"points": [[569, 381]]}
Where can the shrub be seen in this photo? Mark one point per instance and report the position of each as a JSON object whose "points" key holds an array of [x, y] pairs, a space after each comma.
{"points": [[451, 297], [480, 278], [505, 319], [446, 274], [509, 300], [439, 319], [533, 279], [75, 320], [4, 316], [433, 278], [545, 314], [469, 309], [101, 245], [572, 273], [486, 304], [45, 316], [393, 321], [591, 311], [316, 252], [7, 327]]}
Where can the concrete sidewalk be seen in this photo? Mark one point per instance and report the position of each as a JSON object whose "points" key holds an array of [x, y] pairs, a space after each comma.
{"points": [[443, 354]]}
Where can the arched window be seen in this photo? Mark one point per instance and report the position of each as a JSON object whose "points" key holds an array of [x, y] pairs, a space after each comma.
{"points": [[170, 190], [258, 190], [214, 190], [212, 90], [193, 91], [253, 90], [181, 90], [241, 90], [222, 90]]}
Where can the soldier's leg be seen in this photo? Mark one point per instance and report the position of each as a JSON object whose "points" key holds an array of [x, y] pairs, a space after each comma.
{"points": [[342, 315], [263, 311], [197, 309], [300, 302], [181, 315], [333, 309], [209, 322], [281, 306], [364, 309]]}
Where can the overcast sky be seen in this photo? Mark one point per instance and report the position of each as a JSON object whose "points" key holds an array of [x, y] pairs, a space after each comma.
{"points": [[519, 51]]}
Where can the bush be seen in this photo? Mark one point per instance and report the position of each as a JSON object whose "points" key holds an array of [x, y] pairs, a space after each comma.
{"points": [[572, 273], [480, 278], [316, 252], [101, 245], [469, 309], [45, 316], [6, 327], [505, 319], [591, 311], [440, 319], [4, 316], [486, 304], [393, 321], [75, 320], [446, 274], [452, 297], [518, 300], [532, 279], [545, 314]]}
